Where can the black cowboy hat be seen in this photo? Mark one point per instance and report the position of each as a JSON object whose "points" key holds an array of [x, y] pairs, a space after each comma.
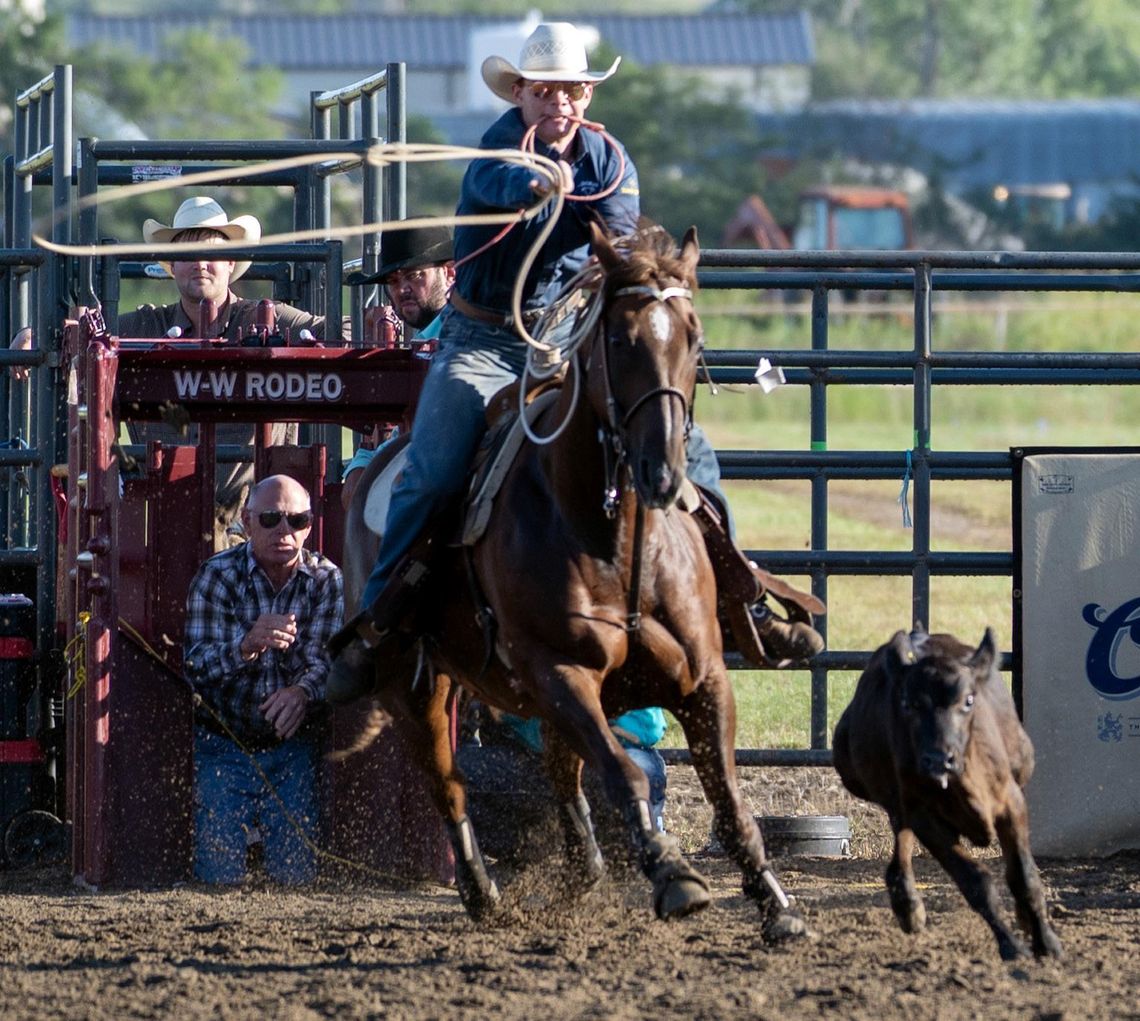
{"points": [[408, 248]]}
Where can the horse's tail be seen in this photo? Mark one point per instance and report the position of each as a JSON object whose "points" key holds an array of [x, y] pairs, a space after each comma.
{"points": [[374, 723]]}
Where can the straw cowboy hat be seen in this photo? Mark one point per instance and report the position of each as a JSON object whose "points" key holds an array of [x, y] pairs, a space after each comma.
{"points": [[554, 52], [204, 213], [408, 248]]}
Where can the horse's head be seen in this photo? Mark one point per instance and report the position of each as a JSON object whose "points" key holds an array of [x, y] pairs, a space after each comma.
{"points": [[644, 358]]}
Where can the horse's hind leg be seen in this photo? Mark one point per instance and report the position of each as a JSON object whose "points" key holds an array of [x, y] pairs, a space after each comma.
{"points": [[708, 717], [420, 711], [584, 864]]}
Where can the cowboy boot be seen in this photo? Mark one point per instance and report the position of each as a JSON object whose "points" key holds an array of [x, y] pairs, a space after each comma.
{"points": [[784, 640], [761, 635], [356, 646]]}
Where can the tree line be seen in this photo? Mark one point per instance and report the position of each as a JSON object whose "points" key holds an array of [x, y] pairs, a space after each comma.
{"points": [[698, 155]]}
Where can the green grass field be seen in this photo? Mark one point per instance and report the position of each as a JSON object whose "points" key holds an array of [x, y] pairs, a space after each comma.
{"points": [[773, 707]]}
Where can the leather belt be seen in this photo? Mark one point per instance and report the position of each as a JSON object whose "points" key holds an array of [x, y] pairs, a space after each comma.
{"points": [[487, 315]]}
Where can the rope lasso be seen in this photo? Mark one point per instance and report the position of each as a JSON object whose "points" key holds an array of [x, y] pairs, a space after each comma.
{"points": [[527, 146], [380, 154]]}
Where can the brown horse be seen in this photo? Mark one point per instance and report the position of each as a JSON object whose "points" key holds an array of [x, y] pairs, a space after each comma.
{"points": [[575, 607]]}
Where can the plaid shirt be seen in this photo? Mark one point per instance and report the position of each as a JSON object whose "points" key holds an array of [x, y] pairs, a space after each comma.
{"points": [[227, 595]]}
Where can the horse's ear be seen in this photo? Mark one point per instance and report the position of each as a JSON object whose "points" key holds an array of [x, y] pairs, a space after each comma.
{"points": [[690, 250], [600, 244]]}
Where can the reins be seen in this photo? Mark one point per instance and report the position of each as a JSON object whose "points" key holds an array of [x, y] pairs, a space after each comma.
{"points": [[618, 429]]}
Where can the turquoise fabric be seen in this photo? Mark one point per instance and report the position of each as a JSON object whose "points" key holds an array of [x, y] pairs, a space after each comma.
{"points": [[647, 726], [431, 331]]}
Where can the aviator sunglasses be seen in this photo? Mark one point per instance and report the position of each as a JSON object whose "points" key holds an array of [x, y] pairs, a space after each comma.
{"points": [[573, 90], [297, 521]]}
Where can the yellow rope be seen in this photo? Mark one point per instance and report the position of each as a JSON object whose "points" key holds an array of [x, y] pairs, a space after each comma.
{"points": [[75, 654], [380, 155]]}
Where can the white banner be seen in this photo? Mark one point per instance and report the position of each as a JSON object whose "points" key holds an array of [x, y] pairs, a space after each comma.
{"points": [[1080, 642]]}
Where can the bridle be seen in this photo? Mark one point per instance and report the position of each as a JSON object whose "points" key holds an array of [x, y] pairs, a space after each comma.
{"points": [[613, 433], [613, 437]]}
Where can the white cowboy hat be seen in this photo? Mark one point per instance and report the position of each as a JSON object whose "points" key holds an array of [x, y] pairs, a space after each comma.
{"points": [[554, 52], [201, 212]]}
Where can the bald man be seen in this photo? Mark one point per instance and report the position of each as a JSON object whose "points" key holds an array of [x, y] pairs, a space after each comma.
{"points": [[258, 617]]}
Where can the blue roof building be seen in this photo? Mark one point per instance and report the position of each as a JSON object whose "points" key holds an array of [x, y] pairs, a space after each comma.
{"points": [[1080, 152], [766, 57]]}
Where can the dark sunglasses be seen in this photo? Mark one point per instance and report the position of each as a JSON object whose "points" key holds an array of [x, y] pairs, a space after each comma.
{"points": [[544, 90], [271, 519]]}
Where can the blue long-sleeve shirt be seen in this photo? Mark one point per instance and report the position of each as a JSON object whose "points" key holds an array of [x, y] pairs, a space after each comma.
{"points": [[494, 185]]}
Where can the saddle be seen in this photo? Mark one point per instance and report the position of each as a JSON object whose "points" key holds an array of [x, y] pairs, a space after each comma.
{"points": [[761, 636], [460, 524], [497, 452]]}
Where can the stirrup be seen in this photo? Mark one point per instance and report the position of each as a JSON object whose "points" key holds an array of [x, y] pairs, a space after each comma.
{"points": [[360, 627], [797, 605], [768, 640], [397, 600], [791, 639]]}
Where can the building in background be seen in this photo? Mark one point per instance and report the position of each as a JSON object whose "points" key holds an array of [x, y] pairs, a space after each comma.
{"points": [[765, 59], [1062, 160]]}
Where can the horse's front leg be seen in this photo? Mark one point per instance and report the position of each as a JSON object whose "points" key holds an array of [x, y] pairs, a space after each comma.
{"points": [[708, 717], [420, 710], [569, 700], [585, 866]]}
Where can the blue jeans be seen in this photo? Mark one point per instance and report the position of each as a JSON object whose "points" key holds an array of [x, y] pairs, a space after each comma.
{"points": [[474, 361], [653, 766], [230, 797]]}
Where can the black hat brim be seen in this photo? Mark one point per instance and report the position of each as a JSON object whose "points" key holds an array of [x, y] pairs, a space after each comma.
{"points": [[433, 255]]}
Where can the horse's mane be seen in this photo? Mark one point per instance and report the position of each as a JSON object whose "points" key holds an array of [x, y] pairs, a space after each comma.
{"points": [[648, 253]]}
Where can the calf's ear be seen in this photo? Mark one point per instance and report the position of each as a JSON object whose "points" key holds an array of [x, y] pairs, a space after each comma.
{"points": [[985, 655], [900, 655]]}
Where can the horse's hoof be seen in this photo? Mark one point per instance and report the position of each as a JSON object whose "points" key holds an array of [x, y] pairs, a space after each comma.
{"points": [[681, 896], [1012, 949], [482, 905], [911, 916], [1048, 946], [783, 926]]}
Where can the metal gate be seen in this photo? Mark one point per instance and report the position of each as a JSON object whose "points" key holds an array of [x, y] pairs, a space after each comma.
{"points": [[35, 432], [927, 371]]}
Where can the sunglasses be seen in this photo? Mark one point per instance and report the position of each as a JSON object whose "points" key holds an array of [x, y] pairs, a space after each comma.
{"points": [[573, 90], [297, 521]]}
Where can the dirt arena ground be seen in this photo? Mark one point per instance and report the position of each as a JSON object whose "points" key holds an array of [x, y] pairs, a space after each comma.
{"points": [[372, 952]]}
